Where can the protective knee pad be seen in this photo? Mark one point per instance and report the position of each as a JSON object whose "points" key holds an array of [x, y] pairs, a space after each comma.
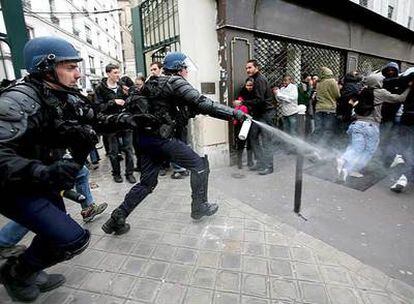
{"points": [[150, 186], [78, 246]]}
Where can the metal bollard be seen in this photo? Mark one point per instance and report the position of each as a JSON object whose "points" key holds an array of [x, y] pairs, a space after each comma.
{"points": [[299, 160]]}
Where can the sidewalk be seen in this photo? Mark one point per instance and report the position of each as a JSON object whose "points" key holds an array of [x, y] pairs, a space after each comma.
{"points": [[240, 255]]}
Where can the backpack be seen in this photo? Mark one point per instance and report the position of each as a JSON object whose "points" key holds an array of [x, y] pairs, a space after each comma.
{"points": [[365, 105]]}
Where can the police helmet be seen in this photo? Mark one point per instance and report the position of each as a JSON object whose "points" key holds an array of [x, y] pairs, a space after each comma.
{"points": [[41, 54], [176, 61]]}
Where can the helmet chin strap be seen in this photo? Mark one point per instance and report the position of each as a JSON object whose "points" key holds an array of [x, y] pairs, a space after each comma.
{"points": [[64, 88]]}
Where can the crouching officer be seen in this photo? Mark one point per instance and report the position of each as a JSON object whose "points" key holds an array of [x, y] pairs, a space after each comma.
{"points": [[32, 126], [168, 97]]}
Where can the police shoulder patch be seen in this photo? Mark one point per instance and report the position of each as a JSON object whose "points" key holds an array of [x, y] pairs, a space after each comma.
{"points": [[17, 103]]}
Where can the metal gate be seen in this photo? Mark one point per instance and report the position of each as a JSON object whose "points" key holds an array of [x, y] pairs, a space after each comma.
{"points": [[278, 58], [368, 64]]}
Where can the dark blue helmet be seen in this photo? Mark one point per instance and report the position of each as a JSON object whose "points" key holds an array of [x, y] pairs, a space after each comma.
{"points": [[175, 61], [43, 53]]}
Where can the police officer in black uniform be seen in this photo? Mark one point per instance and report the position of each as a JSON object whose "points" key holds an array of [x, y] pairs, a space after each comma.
{"points": [[38, 116], [169, 96]]}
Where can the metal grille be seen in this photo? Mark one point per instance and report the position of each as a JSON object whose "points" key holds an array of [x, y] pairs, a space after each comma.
{"points": [[368, 64], [159, 23], [159, 54], [278, 58]]}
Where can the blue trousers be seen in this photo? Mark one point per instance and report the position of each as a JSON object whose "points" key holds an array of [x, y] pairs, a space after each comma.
{"points": [[155, 151], [364, 143], [13, 232], [56, 232]]}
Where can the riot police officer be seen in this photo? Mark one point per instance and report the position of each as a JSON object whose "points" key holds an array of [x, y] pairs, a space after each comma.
{"points": [[169, 96], [35, 119]]}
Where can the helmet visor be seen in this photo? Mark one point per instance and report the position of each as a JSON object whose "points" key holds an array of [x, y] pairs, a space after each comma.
{"points": [[190, 65]]}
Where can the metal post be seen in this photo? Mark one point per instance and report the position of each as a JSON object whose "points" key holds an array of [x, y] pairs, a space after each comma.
{"points": [[16, 32], [299, 160], [138, 33]]}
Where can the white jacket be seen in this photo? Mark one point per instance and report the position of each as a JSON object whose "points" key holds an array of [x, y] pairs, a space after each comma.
{"points": [[288, 97]]}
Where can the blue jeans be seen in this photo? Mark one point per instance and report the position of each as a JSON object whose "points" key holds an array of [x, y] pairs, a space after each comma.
{"points": [[94, 155], [12, 232], [325, 128], [82, 186], [114, 149], [364, 143], [290, 124]]}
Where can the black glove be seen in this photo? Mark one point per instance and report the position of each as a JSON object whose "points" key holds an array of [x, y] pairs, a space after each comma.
{"points": [[133, 121], [240, 115], [58, 176]]}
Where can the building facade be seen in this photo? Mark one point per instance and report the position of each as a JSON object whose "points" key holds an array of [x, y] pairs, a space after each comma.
{"points": [[92, 26], [400, 11], [285, 36], [125, 24]]}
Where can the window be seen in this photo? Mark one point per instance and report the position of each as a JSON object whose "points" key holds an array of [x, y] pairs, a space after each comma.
{"points": [[52, 8], [88, 34], [52, 5], [75, 30], [98, 38], [390, 11], [96, 16], [410, 21], [92, 64], [363, 3]]}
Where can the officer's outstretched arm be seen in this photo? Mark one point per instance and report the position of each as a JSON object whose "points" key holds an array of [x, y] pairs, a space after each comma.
{"points": [[202, 104]]}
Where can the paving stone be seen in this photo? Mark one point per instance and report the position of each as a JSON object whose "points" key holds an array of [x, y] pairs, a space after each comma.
{"points": [[179, 274], [282, 268], [155, 269], [313, 293], [198, 296], [254, 265], [121, 285], [230, 261], [151, 236], [253, 225], [376, 298], [251, 300], [112, 262], [98, 282], [306, 272], [90, 258], [204, 277], [143, 249], [105, 299], [232, 246], [82, 297], [342, 295], [77, 277], [284, 289], [163, 252], [215, 245], [170, 294], [133, 266], [274, 238], [145, 290], [170, 238], [189, 241], [115, 245], [208, 259], [254, 236], [253, 248], [255, 285], [302, 254], [336, 275], [401, 288], [226, 298], [228, 281], [185, 256], [59, 295], [278, 252]]}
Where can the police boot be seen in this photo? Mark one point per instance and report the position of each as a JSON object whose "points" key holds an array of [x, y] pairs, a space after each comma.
{"points": [[47, 282], [199, 185], [240, 159], [19, 280], [116, 223]]}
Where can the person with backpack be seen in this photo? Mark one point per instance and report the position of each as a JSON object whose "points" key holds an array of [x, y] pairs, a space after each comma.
{"points": [[168, 95], [364, 131]]}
